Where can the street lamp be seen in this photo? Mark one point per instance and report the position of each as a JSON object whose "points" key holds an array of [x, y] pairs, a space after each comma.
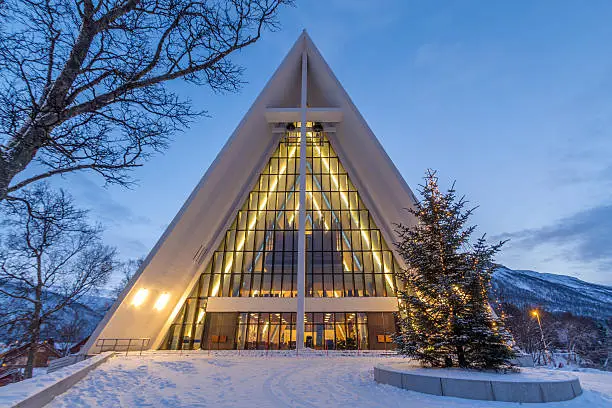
{"points": [[536, 314]]}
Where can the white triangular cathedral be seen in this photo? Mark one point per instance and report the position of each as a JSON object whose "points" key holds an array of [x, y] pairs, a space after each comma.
{"points": [[286, 242]]}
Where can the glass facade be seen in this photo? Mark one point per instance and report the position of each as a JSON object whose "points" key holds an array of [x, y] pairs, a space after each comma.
{"points": [[346, 255], [277, 331]]}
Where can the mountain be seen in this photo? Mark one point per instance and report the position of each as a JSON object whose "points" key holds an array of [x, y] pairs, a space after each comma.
{"points": [[554, 293], [84, 314]]}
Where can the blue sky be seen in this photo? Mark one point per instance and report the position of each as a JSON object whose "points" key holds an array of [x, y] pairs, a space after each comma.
{"points": [[511, 99]]}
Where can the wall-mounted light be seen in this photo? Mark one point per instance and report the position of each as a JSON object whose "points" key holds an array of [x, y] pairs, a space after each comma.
{"points": [[140, 297], [161, 301]]}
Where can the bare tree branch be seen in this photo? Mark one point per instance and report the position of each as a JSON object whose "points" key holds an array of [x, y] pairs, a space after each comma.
{"points": [[83, 85], [49, 258]]}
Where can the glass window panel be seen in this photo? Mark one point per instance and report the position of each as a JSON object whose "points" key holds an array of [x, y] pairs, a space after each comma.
{"points": [[263, 182], [340, 336], [246, 285], [253, 199], [235, 291], [328, 285], [242, 221], [363, 219], [249, 242], [375, 237], [258, 266], [369, 285], [339, 285], [251, 343], [333, 162], [343, 182], [228, 262], [215, 286], [218, 262], [230, 239], [377, 258], [273, 336], [286, 290], [349, 287], [317, 285], [351, 334], [359, 286], [389, 285], [368, 265], [388, 261], [309, 287], [241, 336], [181, 315], [270, 215], [266, 284], [353, 201], [256, 285], [237, 265], [356, 240], [309, 335], [380, 288], [274, 165], [191, 306], [277, 285], [204, 282], [227, 283]]}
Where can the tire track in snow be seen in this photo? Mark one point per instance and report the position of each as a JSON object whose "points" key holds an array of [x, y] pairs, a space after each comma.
{"points": [[278, 382]]}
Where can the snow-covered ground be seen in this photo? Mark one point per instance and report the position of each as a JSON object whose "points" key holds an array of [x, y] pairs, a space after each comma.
{"points": [[199, 380], [11, 394]]}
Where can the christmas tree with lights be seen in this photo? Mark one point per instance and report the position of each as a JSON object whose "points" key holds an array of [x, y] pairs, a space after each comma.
{"points": [[446, 319]]}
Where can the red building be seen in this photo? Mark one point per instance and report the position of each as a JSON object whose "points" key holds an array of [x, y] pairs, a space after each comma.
{"points": [[13, 361]]}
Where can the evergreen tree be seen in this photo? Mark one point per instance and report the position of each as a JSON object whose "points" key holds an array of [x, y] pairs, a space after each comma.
{"points": [[488, 345], [446, 319]]}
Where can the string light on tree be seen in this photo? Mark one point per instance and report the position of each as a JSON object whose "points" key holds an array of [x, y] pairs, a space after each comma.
{"points": [[446, 318]]}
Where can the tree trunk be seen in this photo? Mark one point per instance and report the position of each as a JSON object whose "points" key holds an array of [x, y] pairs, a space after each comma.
{"points": [[34, 329], [461, 357], [34, 339]]}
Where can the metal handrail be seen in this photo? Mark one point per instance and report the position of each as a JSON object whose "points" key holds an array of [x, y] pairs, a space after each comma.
{"points": [[115, 346]]}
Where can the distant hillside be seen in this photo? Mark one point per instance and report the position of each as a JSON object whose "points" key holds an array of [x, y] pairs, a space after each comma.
{"points": [[90, 309], [554, 293]]}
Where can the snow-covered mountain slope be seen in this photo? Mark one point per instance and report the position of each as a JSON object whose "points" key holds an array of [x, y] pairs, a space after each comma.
{"points": [[84, 313], [554, 293]]}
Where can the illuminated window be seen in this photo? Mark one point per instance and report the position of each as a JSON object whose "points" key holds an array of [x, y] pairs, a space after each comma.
{"points": [[346, 255]]}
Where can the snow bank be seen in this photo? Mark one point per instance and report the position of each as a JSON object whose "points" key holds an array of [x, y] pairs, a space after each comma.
{"points": [[13, 394]]}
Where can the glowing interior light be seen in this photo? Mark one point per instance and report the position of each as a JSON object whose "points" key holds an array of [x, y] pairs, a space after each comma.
{"points": [[354, 216], [200, 316], [140, 297], [261, 207], [216, 287], [162, 301], [318, 208]]}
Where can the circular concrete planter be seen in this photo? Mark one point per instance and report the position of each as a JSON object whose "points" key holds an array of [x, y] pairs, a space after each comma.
{"points": [[513, 387]]}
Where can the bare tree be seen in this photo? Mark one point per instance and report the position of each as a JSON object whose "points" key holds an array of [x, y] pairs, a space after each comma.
{"points": [[83, 84], [126, 270], [49, 258], [69, 331]]}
